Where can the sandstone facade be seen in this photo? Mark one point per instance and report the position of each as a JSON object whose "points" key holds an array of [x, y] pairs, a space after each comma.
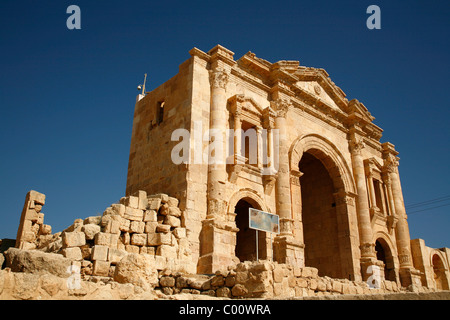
{"points": [[336, 189]]}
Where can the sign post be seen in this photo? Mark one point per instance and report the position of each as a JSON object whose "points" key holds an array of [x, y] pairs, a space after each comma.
{"points": [[263, 221]]}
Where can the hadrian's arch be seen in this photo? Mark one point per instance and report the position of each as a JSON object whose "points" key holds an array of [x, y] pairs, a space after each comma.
{"points": [[324, 215], [239, 204]]}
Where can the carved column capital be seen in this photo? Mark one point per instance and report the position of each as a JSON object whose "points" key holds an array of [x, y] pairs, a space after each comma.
{"points": [[390, 163], [356, 146], [281, 107], [218, 78]]}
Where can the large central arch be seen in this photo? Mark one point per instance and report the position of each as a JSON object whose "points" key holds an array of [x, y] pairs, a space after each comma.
{"points": [[325, 207]]}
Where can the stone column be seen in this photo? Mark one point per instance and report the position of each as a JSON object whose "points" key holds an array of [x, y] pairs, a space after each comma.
{"points": [[286, 248], [408, 275], [383, 198], [390, 198], [217, 174], [218, 235], [237, 134], [282, 186], [373, 197], [367, 247], [259, 162]]}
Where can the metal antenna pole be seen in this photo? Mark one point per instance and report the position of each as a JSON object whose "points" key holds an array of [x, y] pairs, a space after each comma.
{"points": [[143, 87]]}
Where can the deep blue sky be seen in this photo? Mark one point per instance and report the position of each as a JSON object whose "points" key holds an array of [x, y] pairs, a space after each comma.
{"points": [[67, 96]]}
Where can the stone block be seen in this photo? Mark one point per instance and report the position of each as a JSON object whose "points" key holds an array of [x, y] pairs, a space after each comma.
{"points": [[302, 282], [139, 239], [100, 268], [172, 221], [160, 262], [147, 250], [224, 292], [113, 226], [166, 251], [73, 239], [132, 202], [115, 255], [157, 239], [73, 253], [174, 211], [93, 220], [133, 214], [278, 274], [106, 239], [137, 226], [150, 216], [172, 202], [167, 281], [99, 253], [90, 230], [164, 209], [142, 199], [179, 233], [125, 225], [154, 204], [164, 197], [132, 248], [150, 227], [336, 286], [118, 208], [164, 228], [239, 290], [45, 229]]}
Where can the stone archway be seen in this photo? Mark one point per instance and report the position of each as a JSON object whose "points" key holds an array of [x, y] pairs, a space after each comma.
{"points": [[245, 249], [324, 212], [385, 254], [440, 279]]}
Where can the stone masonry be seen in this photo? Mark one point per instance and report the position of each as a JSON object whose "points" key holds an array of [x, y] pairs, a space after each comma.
{"points": [[336, 188]]}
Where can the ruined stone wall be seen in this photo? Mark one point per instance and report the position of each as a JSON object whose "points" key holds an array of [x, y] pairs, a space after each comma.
{"points": [[138, 224]]}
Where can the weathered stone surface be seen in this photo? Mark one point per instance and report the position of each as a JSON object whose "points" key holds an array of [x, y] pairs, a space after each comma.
{"points": [[73, 239], [34, 261], [100, 252], [139, 239], [90, 230], [137, 269], [172, 221]]}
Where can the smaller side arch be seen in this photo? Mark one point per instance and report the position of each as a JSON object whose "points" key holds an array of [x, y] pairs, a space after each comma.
{"points": [[386, 252], [440, 270], [251, 196]]}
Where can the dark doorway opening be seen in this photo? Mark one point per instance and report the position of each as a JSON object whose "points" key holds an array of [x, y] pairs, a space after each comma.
{"points": [[246, 238]]}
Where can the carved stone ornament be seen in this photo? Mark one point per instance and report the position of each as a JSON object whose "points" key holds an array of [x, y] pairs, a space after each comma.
{"points": [[317, 89], [356, 146], [281, 107], [216, 207], [218, 78], [390, 163], [367, 249]]}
